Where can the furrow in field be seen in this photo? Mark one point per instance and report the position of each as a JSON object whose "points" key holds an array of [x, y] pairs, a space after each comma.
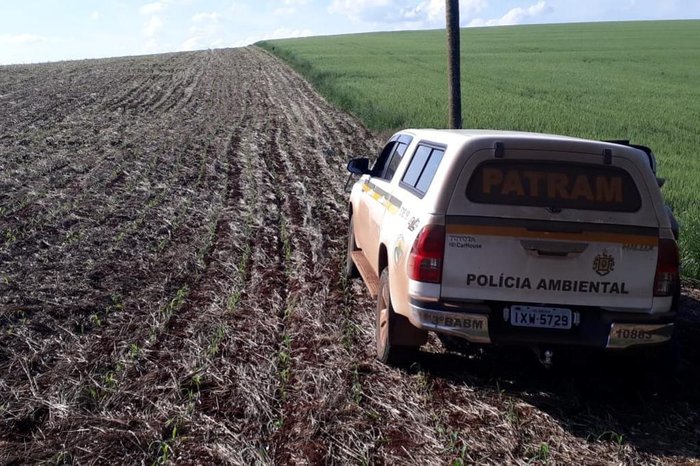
{"points": [[325, 412], [61, 92], [242, 289], [242, 391], [144, 77], [98, 329], [140, 177], [39, 160], [183, 85]]}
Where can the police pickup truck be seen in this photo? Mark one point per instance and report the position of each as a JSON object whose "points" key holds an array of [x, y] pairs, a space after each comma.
{"points": [[515, 238]]}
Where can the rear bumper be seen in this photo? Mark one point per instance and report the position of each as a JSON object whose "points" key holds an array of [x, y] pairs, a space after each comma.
{"points": [[595, 327]]}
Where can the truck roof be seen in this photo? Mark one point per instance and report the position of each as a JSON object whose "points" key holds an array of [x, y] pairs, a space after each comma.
{"points": [[461, 137], [477, 133]]}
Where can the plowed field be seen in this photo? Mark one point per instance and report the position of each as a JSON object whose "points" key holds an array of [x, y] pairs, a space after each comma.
{"points": [[172, 239]]}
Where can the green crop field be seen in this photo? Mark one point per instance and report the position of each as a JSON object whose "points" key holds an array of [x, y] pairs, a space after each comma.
{"points": [[634, 80]]}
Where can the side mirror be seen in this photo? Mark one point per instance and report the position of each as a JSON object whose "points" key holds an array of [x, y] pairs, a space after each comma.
{"points": [[359, 166]]}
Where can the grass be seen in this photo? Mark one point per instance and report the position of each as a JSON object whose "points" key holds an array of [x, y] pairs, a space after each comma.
{"points": [[634, 80]]}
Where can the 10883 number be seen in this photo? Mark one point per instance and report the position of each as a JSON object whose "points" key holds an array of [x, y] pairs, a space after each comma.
{"points": [[632, 334]]}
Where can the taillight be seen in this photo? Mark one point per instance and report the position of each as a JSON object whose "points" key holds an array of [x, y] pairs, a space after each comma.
{"points": [[667, 268], [425, 260]]}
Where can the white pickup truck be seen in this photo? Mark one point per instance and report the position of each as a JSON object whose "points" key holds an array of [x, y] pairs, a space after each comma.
{"points": [[514, 239]]}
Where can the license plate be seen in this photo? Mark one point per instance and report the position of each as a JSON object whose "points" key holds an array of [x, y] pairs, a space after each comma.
{"points": [[540, 317]]}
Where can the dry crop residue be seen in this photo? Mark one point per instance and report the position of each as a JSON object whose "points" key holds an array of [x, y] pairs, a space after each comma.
{"points": [[172, 239]]}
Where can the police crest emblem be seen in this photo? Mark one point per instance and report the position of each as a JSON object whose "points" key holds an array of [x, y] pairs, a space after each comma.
{"points": [[603, 264], [399, 249]]}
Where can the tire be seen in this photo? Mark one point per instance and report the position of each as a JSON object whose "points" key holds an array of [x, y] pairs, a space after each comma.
{"points": [[350, 267], [387, 326]]}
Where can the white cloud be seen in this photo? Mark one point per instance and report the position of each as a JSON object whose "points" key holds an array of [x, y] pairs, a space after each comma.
{"points": [[288, 33], [425, 13], [514, 16], [205, 32], [95, 15], [433, 11], [191, 43], [285, 11], [197, 43], [153, 26], [206, 17], [281, 33], [360, 10], [289, 7], [21, 39], [153, 8], [238, 8]]}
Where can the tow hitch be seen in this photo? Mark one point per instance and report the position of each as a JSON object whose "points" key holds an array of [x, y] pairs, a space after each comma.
{"points": [[545, 357]]}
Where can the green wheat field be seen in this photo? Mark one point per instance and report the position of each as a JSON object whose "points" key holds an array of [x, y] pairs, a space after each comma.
{"points": [[634, 80]]}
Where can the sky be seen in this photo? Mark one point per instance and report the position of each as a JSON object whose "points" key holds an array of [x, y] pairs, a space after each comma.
{"points": [[34, 31]]}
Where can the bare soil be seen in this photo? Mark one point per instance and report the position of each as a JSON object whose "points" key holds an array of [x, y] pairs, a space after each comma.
{"points": [[172, 234]]}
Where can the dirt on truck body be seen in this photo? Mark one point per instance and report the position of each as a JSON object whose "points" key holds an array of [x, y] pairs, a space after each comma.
{"points": [[172, 239]]}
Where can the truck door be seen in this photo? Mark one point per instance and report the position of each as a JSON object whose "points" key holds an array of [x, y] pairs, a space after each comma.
{"points": [[377, 199]]}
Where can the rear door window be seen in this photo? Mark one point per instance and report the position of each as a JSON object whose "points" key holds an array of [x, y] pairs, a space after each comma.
{"points": [[552, 184], [422, 168]]}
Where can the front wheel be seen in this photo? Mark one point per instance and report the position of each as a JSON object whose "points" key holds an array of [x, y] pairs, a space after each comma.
{"points": [[392, 328]]}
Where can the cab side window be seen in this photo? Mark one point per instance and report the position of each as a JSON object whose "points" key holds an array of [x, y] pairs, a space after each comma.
{"points": [[421, 170], [395, 160], [383, 159], [389, 159]]}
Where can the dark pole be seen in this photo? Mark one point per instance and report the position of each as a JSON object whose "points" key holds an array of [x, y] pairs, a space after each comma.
{"points": [[455, 88]]}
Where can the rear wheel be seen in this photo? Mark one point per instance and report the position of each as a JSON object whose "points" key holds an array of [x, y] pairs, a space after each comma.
{"points": [[392, 329], [350, 267]]}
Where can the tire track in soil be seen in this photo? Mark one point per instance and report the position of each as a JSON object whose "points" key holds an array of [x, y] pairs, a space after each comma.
{"points": [[324, 376], [251, 392]]}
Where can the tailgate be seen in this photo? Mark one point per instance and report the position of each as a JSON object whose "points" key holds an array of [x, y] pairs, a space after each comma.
{"points": [[552, 227], [538, 262]]}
